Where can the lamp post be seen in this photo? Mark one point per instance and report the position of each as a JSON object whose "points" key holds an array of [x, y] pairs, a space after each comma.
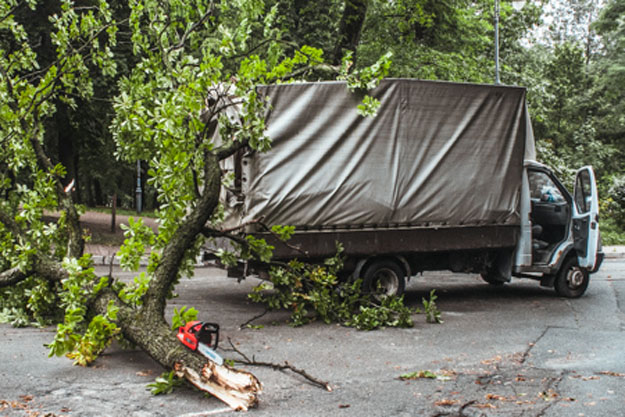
{"points": [[497, 81], [138, 190]]}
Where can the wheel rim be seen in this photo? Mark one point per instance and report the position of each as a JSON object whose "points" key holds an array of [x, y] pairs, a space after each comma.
{"points": [[386, 282], [574, 278]]}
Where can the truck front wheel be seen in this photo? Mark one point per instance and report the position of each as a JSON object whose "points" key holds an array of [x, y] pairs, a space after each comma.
{"points": [[571, 280], [384, 278]]}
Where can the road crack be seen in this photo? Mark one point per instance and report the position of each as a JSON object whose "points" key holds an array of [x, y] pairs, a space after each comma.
{"points": [[531, 345], [552, 386], [619, 307]]}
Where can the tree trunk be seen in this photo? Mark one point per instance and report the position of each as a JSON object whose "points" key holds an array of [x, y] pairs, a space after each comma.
{"points": [[151, 333], [185, 236], [350, 29]]}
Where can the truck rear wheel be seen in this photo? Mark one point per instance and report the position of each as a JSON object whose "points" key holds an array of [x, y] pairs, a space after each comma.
{"points": [[571, 280], [491, 279], [384, 278]]}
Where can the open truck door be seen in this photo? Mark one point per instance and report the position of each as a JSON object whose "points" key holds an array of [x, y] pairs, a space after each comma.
{"points": [[586, 219]]}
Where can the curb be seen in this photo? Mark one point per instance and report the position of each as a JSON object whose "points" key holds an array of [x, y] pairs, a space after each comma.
{"points": [[100, 260], [614, 252]]}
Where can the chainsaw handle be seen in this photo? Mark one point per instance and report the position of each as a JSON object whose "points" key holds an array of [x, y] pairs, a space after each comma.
{"points": [[212, 329]]}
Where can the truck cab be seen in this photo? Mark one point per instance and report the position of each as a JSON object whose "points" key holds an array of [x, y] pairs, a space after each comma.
{"points": [[560, 242]]}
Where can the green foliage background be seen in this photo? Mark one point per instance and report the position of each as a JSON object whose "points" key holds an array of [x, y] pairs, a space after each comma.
{"points": [[571, 60]]}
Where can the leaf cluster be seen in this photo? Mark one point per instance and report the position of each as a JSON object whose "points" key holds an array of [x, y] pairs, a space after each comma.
{"points": [[365, 79], [82, 336], [432, 313], [183, 316], [35, 79], [33, 302], [165, 383], [314, 292]]}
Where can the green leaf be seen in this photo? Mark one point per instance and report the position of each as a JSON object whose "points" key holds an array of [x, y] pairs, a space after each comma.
{"points": [[419, 375], [165, 384], [182, 316]]}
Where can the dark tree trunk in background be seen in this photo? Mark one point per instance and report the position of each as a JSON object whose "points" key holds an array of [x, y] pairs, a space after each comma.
{"points": [[350, 29], [65, 143], [99, 199], [77, 195]]}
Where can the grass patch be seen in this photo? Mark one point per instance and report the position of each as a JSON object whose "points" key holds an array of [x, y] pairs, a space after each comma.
{"points": [[123, 212], [101, 237], [611, 233]]}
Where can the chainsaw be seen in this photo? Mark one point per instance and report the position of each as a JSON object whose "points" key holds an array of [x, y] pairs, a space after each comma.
{"points": [[201, 337]]}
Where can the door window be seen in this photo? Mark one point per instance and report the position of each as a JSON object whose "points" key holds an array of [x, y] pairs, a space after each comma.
{"points": [[583, 192], [542, 188]]}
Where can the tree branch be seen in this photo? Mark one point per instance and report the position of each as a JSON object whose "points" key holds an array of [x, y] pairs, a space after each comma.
{"points": [[185, 236], [227, 233], [11, 277], [180, 44], [280, 367], [285, 243], [10, 12], [8, 80], [50, 270], [243, 325], [259, 45], [333, 69], [238, 389], [76, 243], [208, 232], [225, 152], [46, 268]]}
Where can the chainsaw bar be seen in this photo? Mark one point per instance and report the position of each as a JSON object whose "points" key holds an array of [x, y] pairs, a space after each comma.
{"points": [[210, 353]]}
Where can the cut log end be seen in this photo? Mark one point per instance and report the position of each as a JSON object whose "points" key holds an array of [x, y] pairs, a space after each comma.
{"points": [[238, 389]]}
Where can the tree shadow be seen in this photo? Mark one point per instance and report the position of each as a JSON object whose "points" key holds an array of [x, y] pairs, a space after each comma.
{"points": [[460, 289]]}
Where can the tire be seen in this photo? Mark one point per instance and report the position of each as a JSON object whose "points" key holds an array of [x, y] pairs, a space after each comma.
{"points": [[571, 280], [384, 278], [499, 269], [491, 280]]}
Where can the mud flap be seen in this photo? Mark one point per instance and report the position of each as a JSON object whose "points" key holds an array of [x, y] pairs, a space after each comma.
{"points": [[501, 268]]}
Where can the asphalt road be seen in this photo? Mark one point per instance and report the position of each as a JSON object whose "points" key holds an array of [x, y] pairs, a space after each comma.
{"points": [[516, 350]]}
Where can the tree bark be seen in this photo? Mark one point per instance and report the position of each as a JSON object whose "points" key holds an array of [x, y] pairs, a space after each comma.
{"points": [[350, 28], [42, 267]]}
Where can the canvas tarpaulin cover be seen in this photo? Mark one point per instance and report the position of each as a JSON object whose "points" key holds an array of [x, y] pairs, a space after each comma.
{"points": [[436, 154]]}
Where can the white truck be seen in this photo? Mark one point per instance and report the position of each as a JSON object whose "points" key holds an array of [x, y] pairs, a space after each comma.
{"points": [[442, 178]]}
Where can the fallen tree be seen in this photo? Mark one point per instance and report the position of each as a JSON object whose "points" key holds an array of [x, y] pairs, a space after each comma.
{"points": [[185, 101], [163, 117]]}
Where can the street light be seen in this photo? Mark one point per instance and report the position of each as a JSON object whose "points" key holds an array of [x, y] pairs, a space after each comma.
{"points": [[518, 5], [497, 81], [138, 190]]}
